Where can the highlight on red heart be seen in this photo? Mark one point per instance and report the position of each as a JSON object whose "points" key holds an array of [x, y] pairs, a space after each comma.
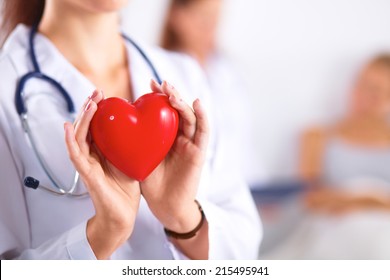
{"points": [[135, 137]]}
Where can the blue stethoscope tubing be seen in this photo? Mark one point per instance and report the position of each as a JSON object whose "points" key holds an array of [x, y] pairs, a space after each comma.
{"points": [[21, 108]]}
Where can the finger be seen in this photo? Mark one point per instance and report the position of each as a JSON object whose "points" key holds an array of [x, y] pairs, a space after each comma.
{"points": [[154, 86], [73, 148], [76, 121], [187, 116], [96, 96], [169, 90], [202, 126], [82, 128]]}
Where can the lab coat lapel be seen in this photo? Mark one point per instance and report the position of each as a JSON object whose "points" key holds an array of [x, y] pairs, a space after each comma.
{"points": [[55, 65], [140, 72]]}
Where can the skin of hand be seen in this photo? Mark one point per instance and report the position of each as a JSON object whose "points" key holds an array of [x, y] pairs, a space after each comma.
{"points": [[115, 196], [170, 190]]}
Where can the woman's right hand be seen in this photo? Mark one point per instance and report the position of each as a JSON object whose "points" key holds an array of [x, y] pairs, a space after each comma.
{"points": [[115, 196]]}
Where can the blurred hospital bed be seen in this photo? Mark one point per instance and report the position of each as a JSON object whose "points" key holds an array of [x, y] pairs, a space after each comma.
{"points": [[292, 232]]}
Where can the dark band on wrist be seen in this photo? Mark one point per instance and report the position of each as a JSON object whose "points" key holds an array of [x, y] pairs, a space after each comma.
{"points": [[190, 234]]}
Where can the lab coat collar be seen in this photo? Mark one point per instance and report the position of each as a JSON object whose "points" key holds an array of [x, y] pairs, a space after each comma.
{"points": [[51, 62], [54, 64]]}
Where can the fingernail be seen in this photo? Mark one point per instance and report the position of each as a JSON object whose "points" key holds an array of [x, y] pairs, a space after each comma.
{"points": [[88, 106], [169, 85], [198, 103], [94, 94]]}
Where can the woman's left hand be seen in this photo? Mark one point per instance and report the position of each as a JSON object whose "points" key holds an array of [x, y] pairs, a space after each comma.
{"points": [[170, 190]]}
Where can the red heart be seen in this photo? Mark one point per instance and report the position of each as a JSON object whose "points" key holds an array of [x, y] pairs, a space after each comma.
{"points": [[136, 137]]}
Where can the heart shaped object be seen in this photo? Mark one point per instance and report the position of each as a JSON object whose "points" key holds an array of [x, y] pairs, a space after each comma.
{"points": [[136, 137]]}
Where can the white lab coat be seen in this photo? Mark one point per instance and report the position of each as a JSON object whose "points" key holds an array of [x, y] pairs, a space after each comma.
{"points": [[233, 114], [35, 224]]}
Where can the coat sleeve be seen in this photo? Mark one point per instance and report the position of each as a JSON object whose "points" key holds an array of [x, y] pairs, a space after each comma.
{"points": [[15, 233], [235, 230]]}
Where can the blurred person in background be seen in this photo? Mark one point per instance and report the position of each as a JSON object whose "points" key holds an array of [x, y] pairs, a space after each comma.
{"points": [[348, 162], [191, 27], [346, 212]]}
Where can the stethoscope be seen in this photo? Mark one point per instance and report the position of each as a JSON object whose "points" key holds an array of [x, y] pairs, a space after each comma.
{"points": [[21, 108]]}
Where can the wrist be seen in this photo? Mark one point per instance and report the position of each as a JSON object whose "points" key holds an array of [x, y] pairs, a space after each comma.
{"points": [[104, 239], [189, 234], [185, 220]]}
